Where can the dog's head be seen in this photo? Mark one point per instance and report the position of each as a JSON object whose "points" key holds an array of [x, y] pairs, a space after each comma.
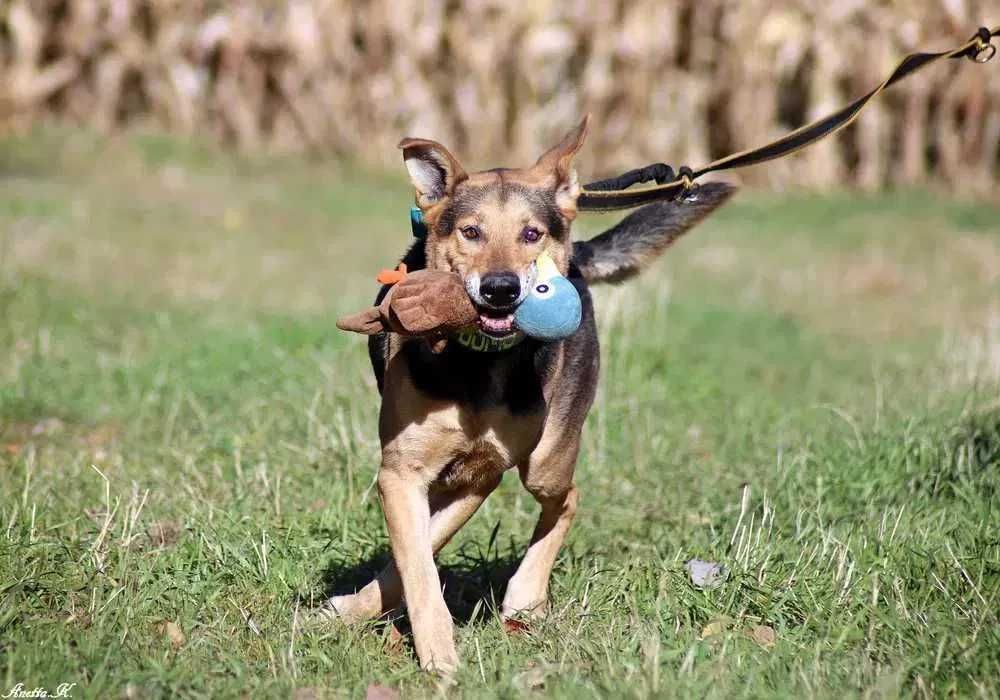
{"points": [[491, 226]]}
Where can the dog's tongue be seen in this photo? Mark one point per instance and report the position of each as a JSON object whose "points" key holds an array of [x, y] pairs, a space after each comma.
{"points": [[496, 325]]}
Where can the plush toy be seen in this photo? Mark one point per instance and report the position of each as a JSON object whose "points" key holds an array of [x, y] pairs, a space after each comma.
{"points": [[434, 304], [552, 310]]}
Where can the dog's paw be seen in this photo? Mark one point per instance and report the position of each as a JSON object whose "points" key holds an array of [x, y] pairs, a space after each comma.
{"points": [[339, 610], [323, 617], [443, 666], [516, 612]]}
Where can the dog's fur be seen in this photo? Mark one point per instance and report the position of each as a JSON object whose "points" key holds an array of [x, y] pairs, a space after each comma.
{"points": [[452, 423]]}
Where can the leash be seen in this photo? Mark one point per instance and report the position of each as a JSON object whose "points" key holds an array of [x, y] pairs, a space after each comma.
{"points": [[614, 193]]}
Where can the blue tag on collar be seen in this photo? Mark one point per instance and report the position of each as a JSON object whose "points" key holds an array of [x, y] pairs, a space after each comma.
{"points": [[417, 223]]}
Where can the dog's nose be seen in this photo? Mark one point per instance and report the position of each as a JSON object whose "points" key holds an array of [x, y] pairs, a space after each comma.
{"points": [[500, 288]]}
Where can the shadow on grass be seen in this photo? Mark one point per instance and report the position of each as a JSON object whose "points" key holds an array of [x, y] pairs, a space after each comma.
{"points": [[474, 581]]}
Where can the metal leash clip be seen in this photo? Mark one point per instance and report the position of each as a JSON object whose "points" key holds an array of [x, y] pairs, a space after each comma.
{"points": [[984, 50], [690, 187]]}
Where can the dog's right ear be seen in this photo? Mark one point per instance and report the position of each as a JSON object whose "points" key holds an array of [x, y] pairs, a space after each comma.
{"points": [[433, 171], [557, 163]]}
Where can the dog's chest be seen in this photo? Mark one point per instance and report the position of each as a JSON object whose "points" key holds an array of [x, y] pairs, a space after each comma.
{"points": [[509, 381], [492, 441], [480, 460], [462, 418]]}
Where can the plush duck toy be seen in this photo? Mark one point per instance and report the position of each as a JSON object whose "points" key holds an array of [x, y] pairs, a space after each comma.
{"points": [[552, 309]]}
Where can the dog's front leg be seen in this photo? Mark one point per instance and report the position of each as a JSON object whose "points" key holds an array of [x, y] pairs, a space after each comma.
{"points": [[449, 512], [405, 503], [527, 591], [548, 476]]}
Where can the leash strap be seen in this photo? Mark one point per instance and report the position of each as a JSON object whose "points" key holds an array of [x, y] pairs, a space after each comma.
{"points": [[613, 194]]}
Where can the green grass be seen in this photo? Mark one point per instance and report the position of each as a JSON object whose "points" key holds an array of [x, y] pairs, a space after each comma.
{"points": [[805, 390]]}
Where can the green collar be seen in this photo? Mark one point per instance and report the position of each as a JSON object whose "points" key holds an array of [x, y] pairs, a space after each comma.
{"points": [[475, 339]]}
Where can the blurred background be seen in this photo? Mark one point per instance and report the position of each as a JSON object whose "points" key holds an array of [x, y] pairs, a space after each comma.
{"points": [[682, 81]]}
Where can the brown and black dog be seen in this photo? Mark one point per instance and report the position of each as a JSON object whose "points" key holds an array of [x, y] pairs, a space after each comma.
{"points": [[452, 423]]}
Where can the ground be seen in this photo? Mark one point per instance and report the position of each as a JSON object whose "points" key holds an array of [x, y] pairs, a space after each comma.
{"points": [[805, 390]]}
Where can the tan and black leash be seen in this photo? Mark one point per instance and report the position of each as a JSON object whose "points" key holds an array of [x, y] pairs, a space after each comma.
{"points": [[614, 193]]}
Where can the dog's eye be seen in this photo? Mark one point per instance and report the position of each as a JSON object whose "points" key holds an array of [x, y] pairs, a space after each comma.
{"points": [[531, 234], [471, 232]]}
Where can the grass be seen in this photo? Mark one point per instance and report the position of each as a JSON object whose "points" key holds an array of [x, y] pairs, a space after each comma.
{"points": [[805, 390]]}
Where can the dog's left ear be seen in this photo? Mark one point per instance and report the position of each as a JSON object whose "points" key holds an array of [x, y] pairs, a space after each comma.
{"points": [[433, 170], [558, 161]]}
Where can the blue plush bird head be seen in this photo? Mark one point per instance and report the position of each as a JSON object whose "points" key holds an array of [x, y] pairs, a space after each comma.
{"points": [[552, 310]]}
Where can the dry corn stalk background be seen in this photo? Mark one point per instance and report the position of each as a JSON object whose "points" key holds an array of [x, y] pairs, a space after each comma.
{"points": [[681, 81]]}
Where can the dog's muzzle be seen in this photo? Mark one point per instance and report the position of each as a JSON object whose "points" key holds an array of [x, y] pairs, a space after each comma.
{"points": [[496, 296]]}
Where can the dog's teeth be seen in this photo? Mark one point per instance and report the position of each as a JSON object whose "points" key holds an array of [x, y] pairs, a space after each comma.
{"points": [[497, 325]]}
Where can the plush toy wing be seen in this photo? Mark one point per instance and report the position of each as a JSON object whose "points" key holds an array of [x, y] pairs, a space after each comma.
{"points": [[367, 322], [429, 302], [425, 302]]}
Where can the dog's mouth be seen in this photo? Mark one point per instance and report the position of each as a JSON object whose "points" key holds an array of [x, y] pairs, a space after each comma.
{"points": [[497, 320], [496, 323]]}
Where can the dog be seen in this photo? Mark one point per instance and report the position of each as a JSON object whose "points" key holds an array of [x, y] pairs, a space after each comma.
{"points": [[452, 423]]}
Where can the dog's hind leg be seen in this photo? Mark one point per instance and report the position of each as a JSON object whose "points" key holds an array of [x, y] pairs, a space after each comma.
{"points": [[548, 476], [450, 511]]}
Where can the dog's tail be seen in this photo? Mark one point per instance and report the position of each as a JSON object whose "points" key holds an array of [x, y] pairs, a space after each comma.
{"points": [[624, 249]]}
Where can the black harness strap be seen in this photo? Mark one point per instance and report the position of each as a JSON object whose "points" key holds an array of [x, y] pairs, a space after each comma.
{"points": [[614, 193]]}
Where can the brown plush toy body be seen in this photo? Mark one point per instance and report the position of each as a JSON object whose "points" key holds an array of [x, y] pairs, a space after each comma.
{"points": [[429, 303]]}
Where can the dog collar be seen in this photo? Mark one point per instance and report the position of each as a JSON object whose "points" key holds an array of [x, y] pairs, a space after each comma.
{"points": [[474, 339], [417, 223]]}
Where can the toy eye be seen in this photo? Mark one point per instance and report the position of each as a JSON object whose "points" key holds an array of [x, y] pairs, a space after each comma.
{"points": [[531, 234], [471, 233], [543, 290]]}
